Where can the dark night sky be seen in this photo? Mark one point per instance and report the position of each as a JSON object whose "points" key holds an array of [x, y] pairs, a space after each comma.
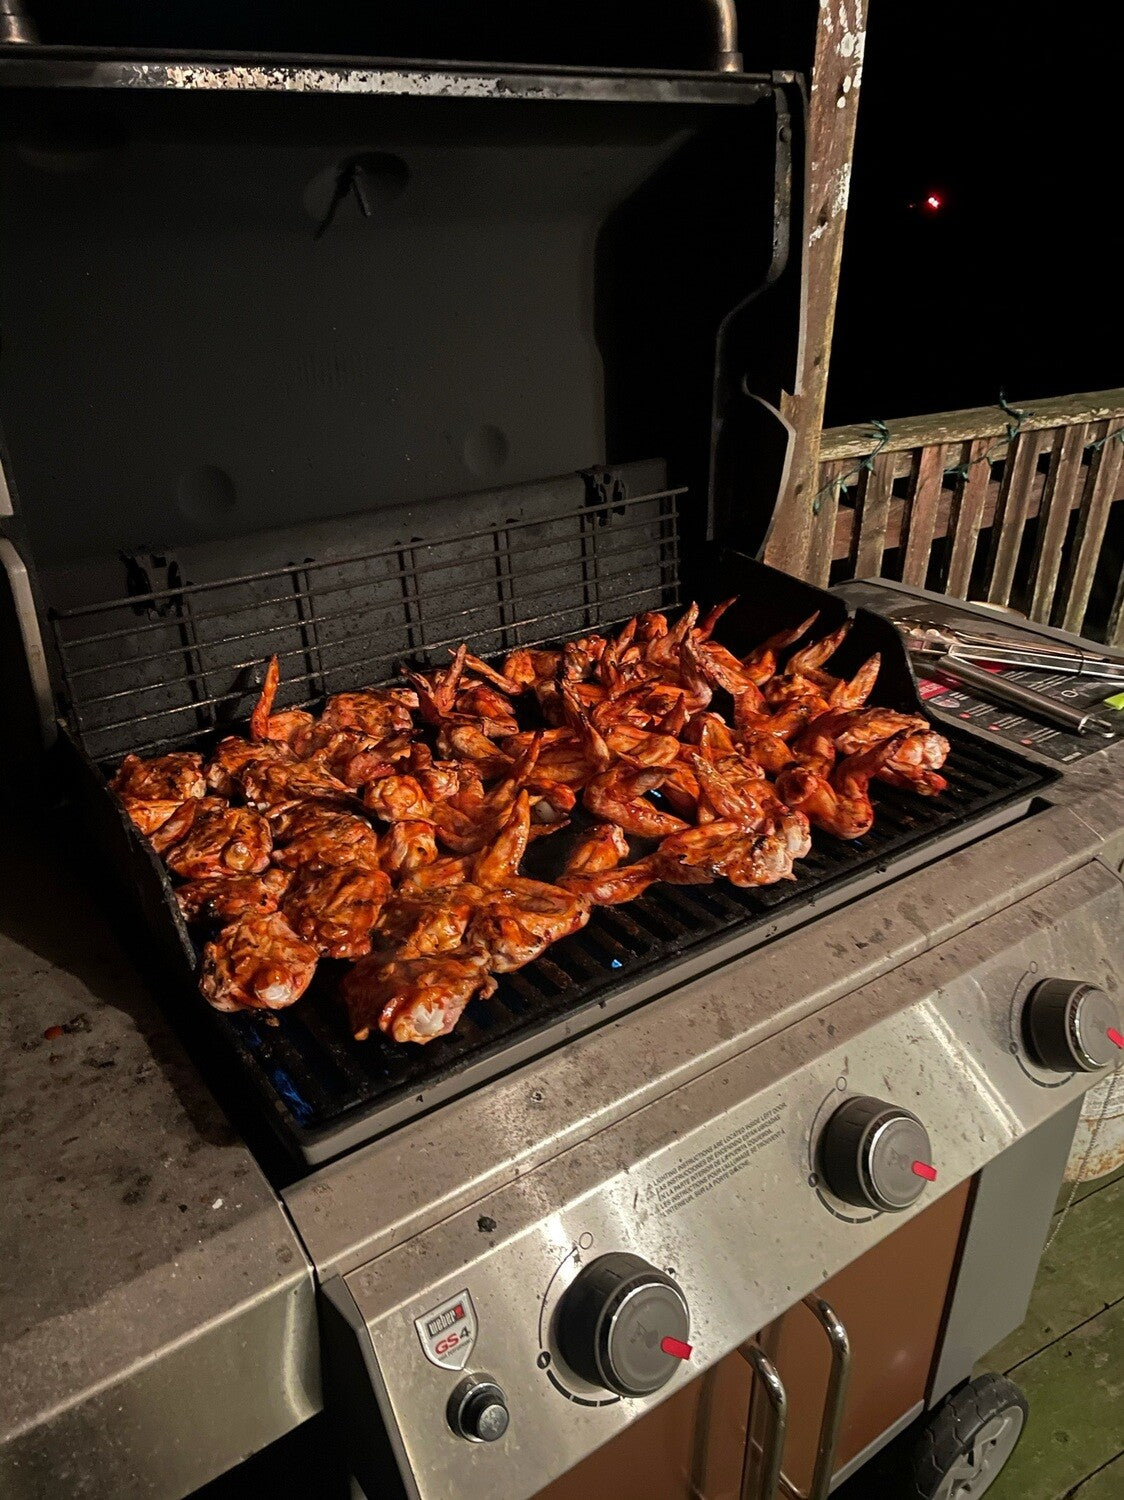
{"points": [[1008, 109], [1011, 113]]}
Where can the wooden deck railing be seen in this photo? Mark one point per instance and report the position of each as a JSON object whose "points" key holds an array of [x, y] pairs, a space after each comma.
{"points": [[1004, 504]]}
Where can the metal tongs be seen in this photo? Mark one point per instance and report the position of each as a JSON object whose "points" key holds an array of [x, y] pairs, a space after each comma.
{"points": [[1005, 650], [955, 653]]}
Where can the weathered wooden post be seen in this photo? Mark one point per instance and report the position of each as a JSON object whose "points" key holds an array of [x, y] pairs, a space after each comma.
{"points": [[799, 534]]}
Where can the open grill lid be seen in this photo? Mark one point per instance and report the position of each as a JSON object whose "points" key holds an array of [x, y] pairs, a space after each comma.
{"points": [[227, 312]]}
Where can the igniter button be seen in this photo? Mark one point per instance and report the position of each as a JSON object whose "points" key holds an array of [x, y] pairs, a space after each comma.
{"points": [[477, 1410]]}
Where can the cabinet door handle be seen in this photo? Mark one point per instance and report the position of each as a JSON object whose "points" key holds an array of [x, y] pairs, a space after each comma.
{"points": [[773, 1480], [834, 1401], [760, 1480]]}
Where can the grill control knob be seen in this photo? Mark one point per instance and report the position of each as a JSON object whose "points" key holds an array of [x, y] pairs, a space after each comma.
{"points": [[478, 1410], [875, 1155], [623, 1325], [1070, 1025]]}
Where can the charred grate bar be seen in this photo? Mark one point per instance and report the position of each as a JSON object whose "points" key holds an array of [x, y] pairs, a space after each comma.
{"points": [[161, 667], [329, 1093]]}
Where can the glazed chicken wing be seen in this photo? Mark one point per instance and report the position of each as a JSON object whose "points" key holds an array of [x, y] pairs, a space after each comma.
{"points": [[335, 909], [618, 796], [223, 898], [165, 778], [421, 921], [256, 963], [413, 999], [291, 727], [152, 790], [437, 874], [309, 835], [353, 757], [268, 783], [613, 887], [725, 847], [437, 691], [914, 765], [221, 840], [379, 714], [841, 805], [601, 849], [514, 925], [853, 730], [761, 663], [233, 755], [398, 799], [466, 743], [407, 848]]}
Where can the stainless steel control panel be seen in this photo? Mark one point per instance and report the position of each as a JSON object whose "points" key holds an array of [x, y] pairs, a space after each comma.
{"points": [[719, 1189]]}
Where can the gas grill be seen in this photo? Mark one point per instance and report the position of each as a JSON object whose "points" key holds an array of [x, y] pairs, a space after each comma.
{"points": [[495, 355]]}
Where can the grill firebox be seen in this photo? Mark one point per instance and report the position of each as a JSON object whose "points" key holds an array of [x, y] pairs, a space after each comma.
{"points": [[177, 665]]}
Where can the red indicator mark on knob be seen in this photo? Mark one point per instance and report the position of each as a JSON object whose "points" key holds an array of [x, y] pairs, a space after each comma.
{"points": [[675, 1347], [923, 1169], [1115, 1037]]}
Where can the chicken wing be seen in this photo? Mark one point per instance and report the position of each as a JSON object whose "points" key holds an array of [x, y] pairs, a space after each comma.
{"points": [[615, 886], [495, 865], [601, 849], [221, 840], [398, 799], [152, 790], [761, 664], [725, 847], [223, 898], [853, 730], [618, 796], [353, 757], [233, 755], [421, 921], [413, 999], [335, 908], [437, 692], [407, 848], [291, 727], [379, 713], [841, 805], [515, 925], [467, 743], [914, 765], [164, 778], [268, 783], [309, 835], [256, 963]]}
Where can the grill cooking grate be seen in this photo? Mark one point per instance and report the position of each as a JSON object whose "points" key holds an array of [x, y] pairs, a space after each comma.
{"points": [[164, 666], [174, 665], [334, 1092]]}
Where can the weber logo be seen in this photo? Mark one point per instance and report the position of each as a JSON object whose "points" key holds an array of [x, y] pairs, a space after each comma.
{"points": [[448, 1332], [445, 1320]]}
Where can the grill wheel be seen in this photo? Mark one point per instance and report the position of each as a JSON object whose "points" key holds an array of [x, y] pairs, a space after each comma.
{"points": [[955, 1452]]}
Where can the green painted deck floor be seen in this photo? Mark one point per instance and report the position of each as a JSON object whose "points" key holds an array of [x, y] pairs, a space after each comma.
{"points": [[1068, 1357]]}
